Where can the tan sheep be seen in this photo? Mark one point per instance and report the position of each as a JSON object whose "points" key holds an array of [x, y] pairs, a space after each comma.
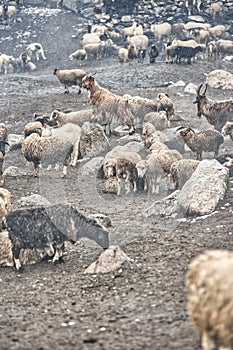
{"points": [[209, 283], [165, 104], [70, 77]]}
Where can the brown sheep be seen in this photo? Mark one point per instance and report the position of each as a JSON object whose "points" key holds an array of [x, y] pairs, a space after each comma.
{"points": [[70, 77]]}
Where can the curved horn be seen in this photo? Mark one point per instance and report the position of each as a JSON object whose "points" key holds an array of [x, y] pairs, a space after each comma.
{"points": [[199, 88], [190, 129], [180, 127], [205, 89]]}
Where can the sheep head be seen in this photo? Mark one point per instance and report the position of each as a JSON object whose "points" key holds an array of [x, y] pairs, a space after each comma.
{"points": [[56, 70], [226, 130], [183, 132], [141, 168]]}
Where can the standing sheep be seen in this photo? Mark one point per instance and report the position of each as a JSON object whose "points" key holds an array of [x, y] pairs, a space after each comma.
{"points": [[70, 77], [151, 171], [75, 117], [47, 228], [165, 104], [209, 283], [36, 51]]}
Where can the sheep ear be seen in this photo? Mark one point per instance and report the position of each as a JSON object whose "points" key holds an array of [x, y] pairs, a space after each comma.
{"points": [[167, 95]]}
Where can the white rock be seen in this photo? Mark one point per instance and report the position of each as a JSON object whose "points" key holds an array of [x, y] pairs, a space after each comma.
{"points": [[191, 89], [220, 79]]}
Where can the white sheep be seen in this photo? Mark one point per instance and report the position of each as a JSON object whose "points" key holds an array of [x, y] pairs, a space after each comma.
{"points": [[70, 77], [6, 65], [150, 170], [80, 54], [139, 41], [90, 38], [35, 50], [158, 119], [209, 283], [161, 30], [46, 151], [75, 117]]}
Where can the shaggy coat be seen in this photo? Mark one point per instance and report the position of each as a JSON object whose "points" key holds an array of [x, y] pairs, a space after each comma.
{"points": [[47, 228], [106, 105], [217, 113]]}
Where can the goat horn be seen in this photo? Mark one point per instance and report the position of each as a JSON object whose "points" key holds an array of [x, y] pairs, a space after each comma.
{"points": [[205, 89], [191, 130], [199, 88], [180, 127], [94, 73]]}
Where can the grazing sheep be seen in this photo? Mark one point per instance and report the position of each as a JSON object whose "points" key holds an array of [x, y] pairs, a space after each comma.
{"points": [[158, 119], [224, 47], [216, 31], [46, 150], [150, 170], [5, 204], [140, 106], [217, 113], [75, 117], [209, 286], [181, 171], [165, 104], [47, 228], [70, 77], [35, 50], [106, 105], [203, 141], [78, 55], [147, 130], [166, 157]]}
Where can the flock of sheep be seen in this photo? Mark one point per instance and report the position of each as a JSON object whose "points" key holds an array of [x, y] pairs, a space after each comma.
{"points": [[56, 139]]}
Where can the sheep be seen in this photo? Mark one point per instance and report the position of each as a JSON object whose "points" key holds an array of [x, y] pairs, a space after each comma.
{"points": [[224, 47], [94, 50], [165, 157], [109, 167], [212, 50], [140, 106], [181, 171], [139, 41], [90, 38], [217, 113], [63, 222], [161, 30], [150, 170], [35, 50], [8, 12], [216, 9], [147, 129], [153, 53], [165, 104], [209, 286], [5, 204], [75, 117], [127, 55], [186, 52], [216, 31], [129, 31], [80, 54], [46, 150], [70, 77], [106, 105], [3, 138], [32, 127], [202, 141], [6, 63], [158, 119]]}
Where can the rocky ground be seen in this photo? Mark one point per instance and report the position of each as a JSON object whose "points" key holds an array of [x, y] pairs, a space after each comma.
{"points": [[143, 304]]}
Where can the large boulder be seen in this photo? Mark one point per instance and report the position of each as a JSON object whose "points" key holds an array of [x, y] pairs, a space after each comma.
{"points": [[92, 166], [206, 187], [220, 79], [93, 140]]}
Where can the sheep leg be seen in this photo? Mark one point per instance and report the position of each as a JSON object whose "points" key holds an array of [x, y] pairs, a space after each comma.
{"points": [[75, 154], [57, 259], [36, 169], [15, 254], [127, 185], [134, 186], [119, 184], [207, 343], [66, 89]]}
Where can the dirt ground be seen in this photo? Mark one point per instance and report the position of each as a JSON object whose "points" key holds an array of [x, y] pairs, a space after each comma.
{"points": [[143, 304]]}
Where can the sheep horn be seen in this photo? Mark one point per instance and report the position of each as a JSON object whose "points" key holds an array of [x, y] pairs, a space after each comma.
{"points": [[180, 127]]}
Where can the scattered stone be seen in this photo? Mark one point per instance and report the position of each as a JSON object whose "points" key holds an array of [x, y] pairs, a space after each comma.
{"points": [[163, 207], [93, 140], [92, 166], [206, 187], [13, 171], [191, 89], [110, 260], [34, 200], [220, 79]]}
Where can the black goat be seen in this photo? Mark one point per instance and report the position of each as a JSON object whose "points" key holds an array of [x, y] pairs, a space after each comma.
{"points": [[186, 52]]}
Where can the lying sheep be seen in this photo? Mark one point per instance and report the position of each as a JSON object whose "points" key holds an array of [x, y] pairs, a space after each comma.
{"points": [[209, 286], [63, 223], [150, 170], [70, 77], [181, 171], [46, 151], [75, 117], [35, 51], [165, 104], [158, 119], [80, 54], [203, 141], [5, 204]]}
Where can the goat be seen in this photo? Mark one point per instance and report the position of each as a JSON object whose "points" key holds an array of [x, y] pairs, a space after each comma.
{"points": [[106, 105], [153, 53], [186, 52], [78, 55], [70, 77], [209, 286], [203, 141], [63, 222], [217, 113], [161, 30]]}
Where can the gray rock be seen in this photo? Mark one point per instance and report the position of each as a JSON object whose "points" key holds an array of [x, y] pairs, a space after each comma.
{"points": [[92, 167], [135, 146], [14, 171], [163, 207], [191, 89], [207, 186], [110, 260], [15, 141], [121, 131], [220, 79], [34, 200], [93, 140]]}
